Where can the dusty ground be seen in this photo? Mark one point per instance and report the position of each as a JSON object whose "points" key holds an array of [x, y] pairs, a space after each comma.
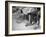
{"points": [[21, 25]]}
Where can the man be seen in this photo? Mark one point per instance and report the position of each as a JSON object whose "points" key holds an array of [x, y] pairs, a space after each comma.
{"points": [[34, 16]]}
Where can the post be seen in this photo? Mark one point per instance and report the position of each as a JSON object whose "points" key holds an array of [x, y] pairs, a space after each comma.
{"points": [[30, 19]]}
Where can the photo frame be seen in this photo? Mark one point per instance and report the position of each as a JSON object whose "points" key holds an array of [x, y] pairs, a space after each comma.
{"points": [[24, 18]]}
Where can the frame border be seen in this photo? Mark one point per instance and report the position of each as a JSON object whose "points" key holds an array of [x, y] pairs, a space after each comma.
{"points": [[6, 18]]}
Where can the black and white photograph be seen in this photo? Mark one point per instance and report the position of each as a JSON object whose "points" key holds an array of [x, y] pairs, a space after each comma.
{"points": [[24, 18]]}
